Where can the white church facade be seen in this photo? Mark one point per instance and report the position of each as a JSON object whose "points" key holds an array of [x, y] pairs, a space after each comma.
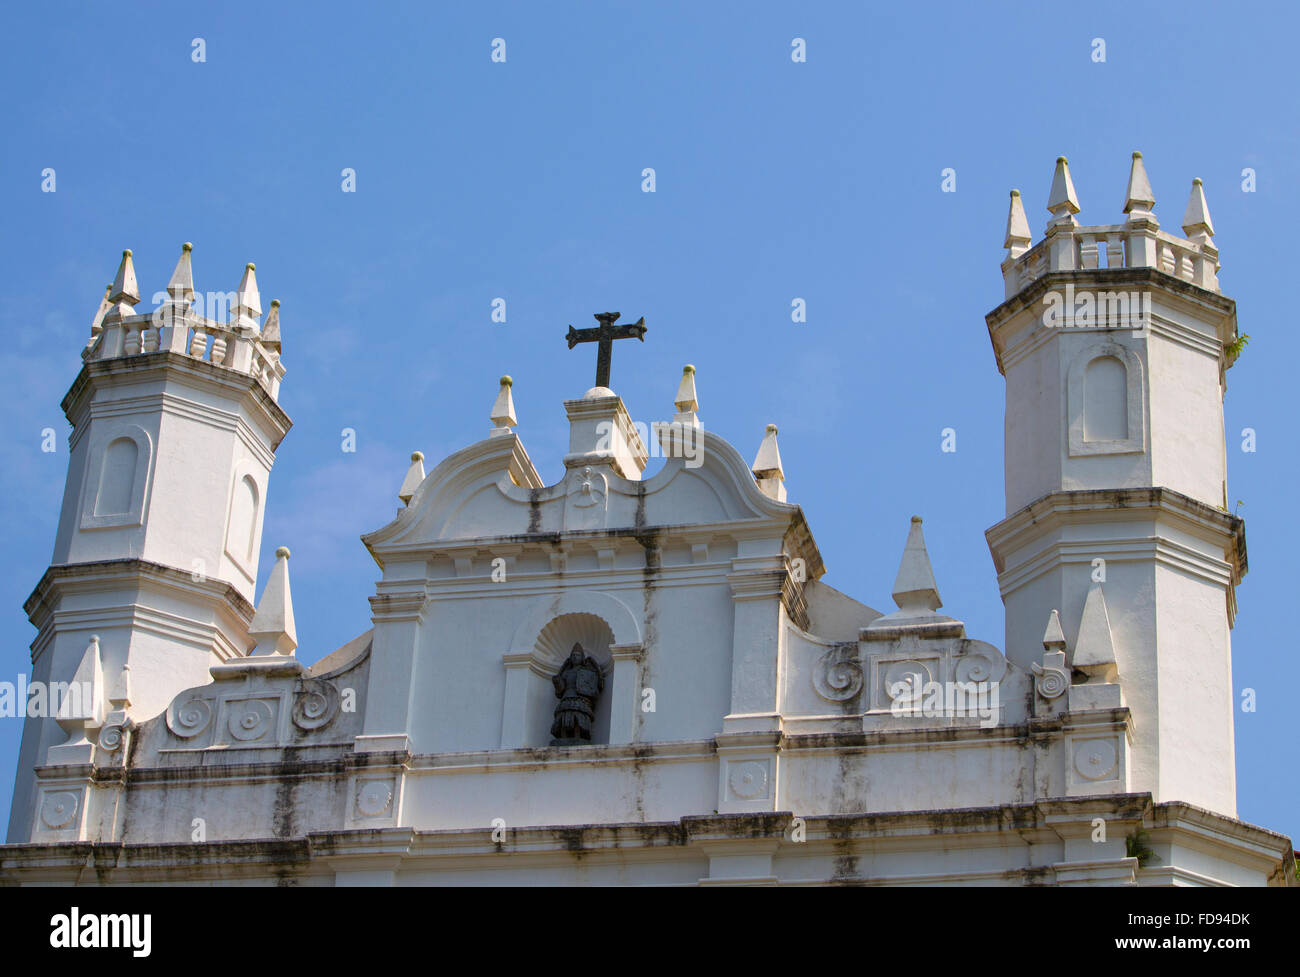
{"points": [[664, 688]]}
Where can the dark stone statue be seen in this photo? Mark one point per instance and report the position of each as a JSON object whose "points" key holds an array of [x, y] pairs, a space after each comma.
{"points": [[578, 684]]}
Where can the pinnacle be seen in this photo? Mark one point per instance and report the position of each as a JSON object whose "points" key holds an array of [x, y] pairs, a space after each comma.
{"points": [[1018, 237], [273, 625], [181, 285], [503, 409], [1138, 197], [1094, 651], [686, 400], [414, 476], [271, 328], [914, 588], [124, 288], [1054, 637], [767, 463], [1062, 202], [1196, 219], [248, 301]]}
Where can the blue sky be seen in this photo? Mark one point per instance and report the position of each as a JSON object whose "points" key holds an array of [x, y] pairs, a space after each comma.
{"points": [[774, 180]]}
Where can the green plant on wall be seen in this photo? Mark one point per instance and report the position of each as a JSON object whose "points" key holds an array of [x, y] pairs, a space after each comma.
{"points": [[1135, 846], [1234, 348]]}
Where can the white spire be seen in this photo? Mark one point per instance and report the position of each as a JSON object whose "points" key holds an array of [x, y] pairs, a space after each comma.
{"points": [[687, 402], [1062, 204], [181, 284], [1018, 237], [1094, 651], [1054, 637], [97, 324], [83, 702], [1138, 198], [121, 698], [915, 591], [80, 711], [248, 301], [124, 293], [271, 328], [414, 476], [767, 466], [503, 410], [1196, 220], [273, 626], [767, 463]]}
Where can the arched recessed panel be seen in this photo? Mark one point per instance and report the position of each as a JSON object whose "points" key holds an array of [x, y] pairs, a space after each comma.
{"points": [[241, 536], [117, 478], [554, 644], [1105, 408], [1105, 400], [545, 636]]}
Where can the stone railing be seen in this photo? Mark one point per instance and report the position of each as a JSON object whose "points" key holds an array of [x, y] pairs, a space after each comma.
{"points": [[1135, 245], [203, 339]]}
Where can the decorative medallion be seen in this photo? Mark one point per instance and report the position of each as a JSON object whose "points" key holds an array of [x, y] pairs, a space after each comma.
{"points": [[59, 808], [838, 675], [315, 705], [1095, 759], [189, 718], [748, 779], [374, 798], [249, 719]]}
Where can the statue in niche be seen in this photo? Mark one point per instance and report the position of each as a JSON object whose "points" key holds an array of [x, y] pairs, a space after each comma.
{"points": [[578, 684]]}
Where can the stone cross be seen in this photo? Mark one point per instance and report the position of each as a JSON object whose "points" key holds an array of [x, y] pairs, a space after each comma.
{"points": [[605, 334]]}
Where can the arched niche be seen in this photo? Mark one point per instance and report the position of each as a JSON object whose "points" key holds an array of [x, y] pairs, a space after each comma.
{"points": [[607, 631], [244, 515], [553, 646], [117, 479], [1104, 401]]}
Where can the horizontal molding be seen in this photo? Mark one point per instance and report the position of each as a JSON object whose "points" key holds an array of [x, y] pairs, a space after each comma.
{"points": [[1063, 509]]}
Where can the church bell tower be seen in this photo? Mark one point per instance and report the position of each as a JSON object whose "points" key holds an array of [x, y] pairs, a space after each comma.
{"points": [[175, 423], [1115, 341]]}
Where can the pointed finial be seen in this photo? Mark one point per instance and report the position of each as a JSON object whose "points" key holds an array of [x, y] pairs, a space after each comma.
{"points": [[914, 588], [1062, 204], [767, 463], [1094, 651], [686, 401], [271, 328], [86, 707], [124, 293], [248, 301], [1138, 198], [767, 466], [181, 285], [1196, 220], [1018, 237], [1054, 637], [97, 324], [414, 476], [503, 410], [122, 698], [273, 627]]}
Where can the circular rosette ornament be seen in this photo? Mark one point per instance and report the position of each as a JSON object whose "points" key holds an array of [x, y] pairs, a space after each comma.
{"points": [[110, 737], [189, 718], [1052, 682], [979, 663], [249, 720], [905, 683], [748, 779], [315, 705], [838, 675], [374, 798], [58, 809]]}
